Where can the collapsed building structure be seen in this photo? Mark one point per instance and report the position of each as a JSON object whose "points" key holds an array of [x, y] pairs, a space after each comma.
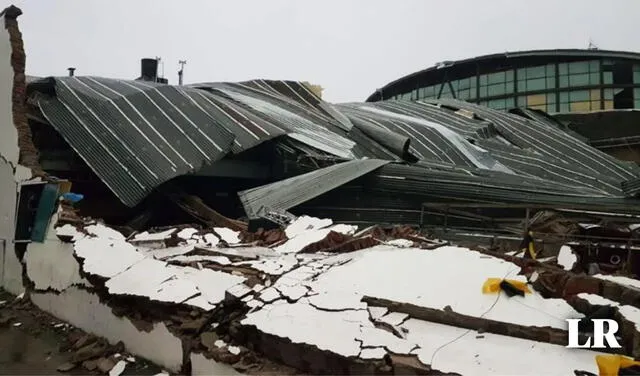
{"points": [[254, 279]]}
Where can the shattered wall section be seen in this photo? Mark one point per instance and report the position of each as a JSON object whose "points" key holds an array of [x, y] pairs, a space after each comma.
{"points": [[18, 156], [9, 154], [28, 154]]}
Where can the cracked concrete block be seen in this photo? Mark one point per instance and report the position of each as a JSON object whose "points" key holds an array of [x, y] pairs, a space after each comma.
{"points": [[200, 365], [85, 311]]}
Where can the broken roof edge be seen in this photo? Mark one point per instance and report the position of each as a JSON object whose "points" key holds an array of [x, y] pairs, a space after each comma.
{"points": [[291, 192]]}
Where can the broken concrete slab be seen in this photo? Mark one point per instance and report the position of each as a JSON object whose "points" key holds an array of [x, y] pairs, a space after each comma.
{"points": [[443, 347], [106, 257], [447, 276], [202, 366]]}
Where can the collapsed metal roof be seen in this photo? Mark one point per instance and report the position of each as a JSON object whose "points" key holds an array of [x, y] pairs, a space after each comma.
{"points": [[137, 135]]}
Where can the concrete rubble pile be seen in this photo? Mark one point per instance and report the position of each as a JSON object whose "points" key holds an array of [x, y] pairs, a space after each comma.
{"points": [[203, 301]]}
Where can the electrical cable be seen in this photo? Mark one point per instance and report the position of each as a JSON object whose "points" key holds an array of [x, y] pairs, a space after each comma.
{"points": [[470, 330]]}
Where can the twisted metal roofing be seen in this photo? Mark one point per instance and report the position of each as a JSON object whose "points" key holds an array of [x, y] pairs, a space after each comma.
{"points": [[137, 135]]}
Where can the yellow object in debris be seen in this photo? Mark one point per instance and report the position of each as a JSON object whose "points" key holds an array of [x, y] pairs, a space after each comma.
{"points": [[532, 250], [492, 285], [609, 365]]}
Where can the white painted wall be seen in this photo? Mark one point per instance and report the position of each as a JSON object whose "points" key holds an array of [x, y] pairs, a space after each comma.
{"points": [[11, 268], [84, 310], [51, 264]]}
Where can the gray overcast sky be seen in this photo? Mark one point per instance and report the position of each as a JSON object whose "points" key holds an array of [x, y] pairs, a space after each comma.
{"points": [[350, 47]]}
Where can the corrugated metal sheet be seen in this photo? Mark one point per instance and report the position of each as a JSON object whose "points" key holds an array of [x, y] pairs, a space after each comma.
{"points": [[288, 193], [303, 119], [135, 135]]}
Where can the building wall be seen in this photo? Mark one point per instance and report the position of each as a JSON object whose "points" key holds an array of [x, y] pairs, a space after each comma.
{"points": [[12, 174], [591, 84]]}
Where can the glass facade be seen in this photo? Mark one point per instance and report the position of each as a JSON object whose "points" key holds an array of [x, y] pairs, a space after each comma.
{"points": [[578, 86]]}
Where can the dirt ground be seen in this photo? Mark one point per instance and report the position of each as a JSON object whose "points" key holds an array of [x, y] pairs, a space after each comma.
{"points": [[33, 342]]}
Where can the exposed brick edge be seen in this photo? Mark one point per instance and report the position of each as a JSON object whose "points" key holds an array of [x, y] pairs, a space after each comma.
{"points": [[28, 152], [541, 334], [630, 334], [312, 360]]}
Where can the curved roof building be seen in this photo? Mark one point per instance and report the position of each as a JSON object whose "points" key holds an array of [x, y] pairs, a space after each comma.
{"points": [[555, 81]]}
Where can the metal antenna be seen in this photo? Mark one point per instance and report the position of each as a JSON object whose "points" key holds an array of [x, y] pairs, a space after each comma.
{"points": [[159, 60], [592, 46], [181, 71]]}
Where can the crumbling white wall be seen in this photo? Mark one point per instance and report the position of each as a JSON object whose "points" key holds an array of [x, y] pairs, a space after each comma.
{"points": [[51, 265], [11, 275], [84, 310]]}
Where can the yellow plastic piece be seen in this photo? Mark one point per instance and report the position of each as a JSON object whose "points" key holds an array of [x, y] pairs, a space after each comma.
{"points": [[532, 251], [609, 365], [492, 285]]}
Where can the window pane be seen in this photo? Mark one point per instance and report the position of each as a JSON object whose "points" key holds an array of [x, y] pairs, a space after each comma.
{"points": [[579, 67], [454, 84], [483, 91], [608, 105], [522, 86], [536, 72], [499, 104], [496, 78], [473, 81], [551, 108], [562, 69], [536, 84], [595, 94], [483, 80], [608, 94], [522, 101], [509, 87], [579, 80], [472, 93], [607, 77], [535, 100], [564, 81], [595, 105], [564, 96], [463, 84], [446, 91], [509, 75], [564, 107], [579, 95], [636, 94], [509, 102], [594, 79], [496, 90], [594, 66], [580, 106], [551, 70], [551, 82], [551, 98], [636, 77]]}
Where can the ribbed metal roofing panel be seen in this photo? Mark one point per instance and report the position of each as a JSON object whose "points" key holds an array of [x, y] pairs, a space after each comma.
{"points": [[134, 135], [288, 193], [303, 121]]}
